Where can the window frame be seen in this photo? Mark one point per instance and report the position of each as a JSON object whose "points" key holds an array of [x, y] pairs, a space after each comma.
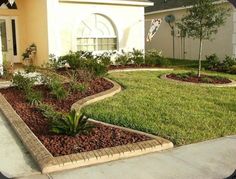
{"points": [[97, 43]]}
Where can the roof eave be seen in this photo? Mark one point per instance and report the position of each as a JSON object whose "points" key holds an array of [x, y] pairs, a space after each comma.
{"points": [[179, 8], [113, 2]]}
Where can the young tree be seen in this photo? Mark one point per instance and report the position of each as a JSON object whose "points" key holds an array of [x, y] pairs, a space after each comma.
{"points": [[202, 22]]}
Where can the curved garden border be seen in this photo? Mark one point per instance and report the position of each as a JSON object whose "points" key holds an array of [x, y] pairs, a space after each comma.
{"points": [[48, 163], [232, 84], [140, 69]]}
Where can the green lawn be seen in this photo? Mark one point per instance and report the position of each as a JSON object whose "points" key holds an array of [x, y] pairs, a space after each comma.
{"points": [[182, 113]]}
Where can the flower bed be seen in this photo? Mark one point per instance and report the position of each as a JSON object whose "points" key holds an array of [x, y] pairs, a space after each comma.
{"points": [[193, 78], [99, 137]]}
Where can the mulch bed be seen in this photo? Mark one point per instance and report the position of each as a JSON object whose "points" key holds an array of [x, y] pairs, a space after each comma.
{"points": [[203, 79], [101, 136]]}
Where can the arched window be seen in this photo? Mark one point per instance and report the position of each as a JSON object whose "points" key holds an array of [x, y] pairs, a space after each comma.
{"points": [[4, 4], [96, 33]]}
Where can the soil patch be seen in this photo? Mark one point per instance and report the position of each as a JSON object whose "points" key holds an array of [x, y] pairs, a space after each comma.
{"points": [[203, 79]]}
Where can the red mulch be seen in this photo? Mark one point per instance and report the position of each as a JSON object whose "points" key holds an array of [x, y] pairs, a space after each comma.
{"points": [[100, 137], [196, 79]]}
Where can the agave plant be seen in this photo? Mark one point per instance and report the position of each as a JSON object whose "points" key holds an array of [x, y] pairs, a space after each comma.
{"points": [[72, 124]]}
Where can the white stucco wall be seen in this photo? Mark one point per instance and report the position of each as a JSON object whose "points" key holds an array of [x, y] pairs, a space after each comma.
{"points": [[234, 33], [65, 18]]}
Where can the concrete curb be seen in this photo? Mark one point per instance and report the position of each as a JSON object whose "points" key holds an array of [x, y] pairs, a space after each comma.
{"points": [[48, 163], [97, 97], [232, 84]]}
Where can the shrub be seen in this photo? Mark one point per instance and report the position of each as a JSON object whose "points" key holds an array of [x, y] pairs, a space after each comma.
{"points": [[154, 57], [123, 58], [233, 69], [228, 63], [34, 97], [75, 60], [56, 87], [207, 80], [95, 68], [72, 124], [84, 75], [185, 75], [104, 59], [212, 62], [74, 85], [54, 63], [23, 83], [137, 57]]}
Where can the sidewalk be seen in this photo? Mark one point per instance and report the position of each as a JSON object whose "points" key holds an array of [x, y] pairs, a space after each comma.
{"points": [[14, 159], [212, 159]]}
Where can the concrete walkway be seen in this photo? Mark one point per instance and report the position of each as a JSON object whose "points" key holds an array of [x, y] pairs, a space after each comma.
{"points": [[214, 159], [14, 159]]}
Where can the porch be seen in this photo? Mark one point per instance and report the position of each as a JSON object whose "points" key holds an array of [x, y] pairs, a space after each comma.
{"points": [[20, 26]]}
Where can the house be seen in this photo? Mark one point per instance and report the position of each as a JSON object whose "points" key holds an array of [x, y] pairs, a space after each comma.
{"points": [[59, 26], [224, 42]]}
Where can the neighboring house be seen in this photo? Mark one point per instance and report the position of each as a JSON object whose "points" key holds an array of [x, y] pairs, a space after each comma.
{"points": [[224, 42], [60, 26]]}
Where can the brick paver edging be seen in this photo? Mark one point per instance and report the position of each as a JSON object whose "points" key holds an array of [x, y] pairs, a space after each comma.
{"points": [[232, 84], [139, 69], [48, 163]]}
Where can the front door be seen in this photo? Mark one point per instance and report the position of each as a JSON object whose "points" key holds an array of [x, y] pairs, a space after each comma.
{"points": [[8, 32]]}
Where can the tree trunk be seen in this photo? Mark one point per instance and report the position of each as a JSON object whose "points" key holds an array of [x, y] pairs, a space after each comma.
{"points": [[200, 59]]}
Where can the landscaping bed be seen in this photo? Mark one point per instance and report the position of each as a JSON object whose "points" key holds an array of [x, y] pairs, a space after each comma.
{"points": [[193, 78], [100, 136]]}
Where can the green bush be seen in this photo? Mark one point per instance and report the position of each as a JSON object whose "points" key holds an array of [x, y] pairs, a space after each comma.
{"points": [[153, 58], [123, 58], [23, 83], [137, 57], [212, 62], [228, 63], [75, 86], [233, 69], [185, 75], [104, 59], [95, 68], [54, 63], [75, 60], [207, 80], [71, 125], [56, 87], [34, 97]]}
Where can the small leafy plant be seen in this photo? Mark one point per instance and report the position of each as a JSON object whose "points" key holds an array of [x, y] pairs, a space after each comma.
{"points": [[137, 57], [22, 82], [56, 87], [123, 58], [48, 112], [212, 62], [71, 125], [34, 97], [95, 68]]}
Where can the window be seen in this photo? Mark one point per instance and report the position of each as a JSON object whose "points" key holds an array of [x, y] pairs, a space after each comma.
{"points": [[3, 33], [96, 33]]}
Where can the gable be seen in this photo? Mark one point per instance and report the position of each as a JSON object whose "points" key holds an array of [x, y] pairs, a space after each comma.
{"points": [[4, 4]]}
